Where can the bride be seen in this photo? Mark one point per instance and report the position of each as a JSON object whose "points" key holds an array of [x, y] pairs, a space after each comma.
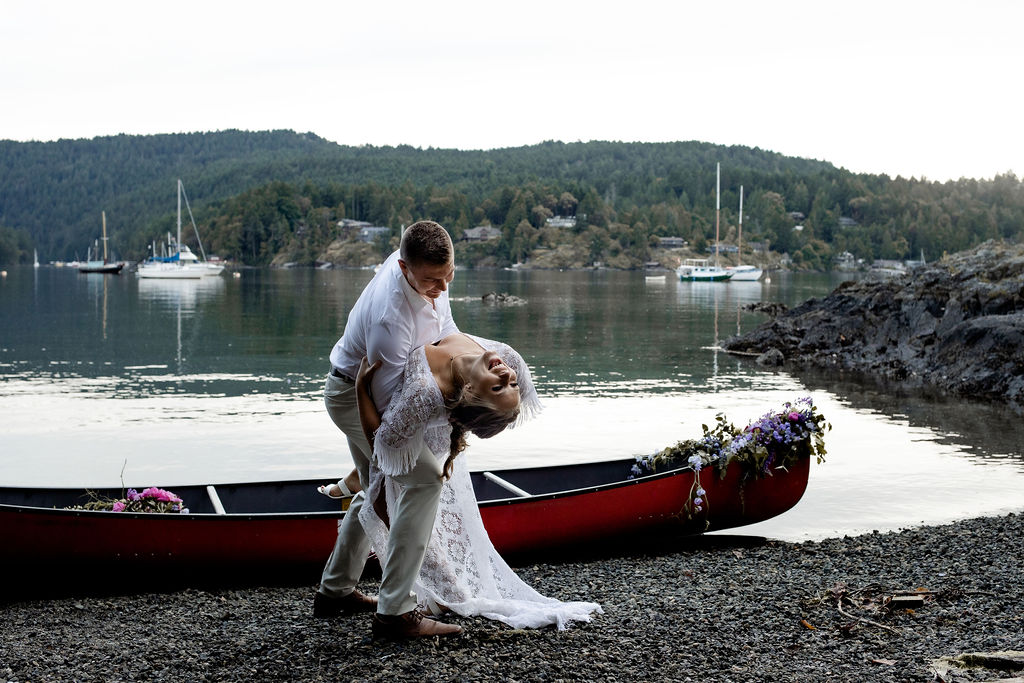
{"points": [[457, 385]]}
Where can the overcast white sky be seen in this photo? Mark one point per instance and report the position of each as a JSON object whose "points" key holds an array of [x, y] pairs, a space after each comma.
{"points": [[910, 88]]}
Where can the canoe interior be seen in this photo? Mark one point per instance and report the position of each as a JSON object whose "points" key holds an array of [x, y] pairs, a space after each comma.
{"points": [[300, 496]]}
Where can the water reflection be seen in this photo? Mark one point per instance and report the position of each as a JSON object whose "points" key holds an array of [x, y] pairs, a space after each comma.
{"points": [[183, 294], [221, 379], [982, 429]]}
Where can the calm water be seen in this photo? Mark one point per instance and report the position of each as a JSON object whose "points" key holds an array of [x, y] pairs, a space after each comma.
{"points": [[219, 380]]}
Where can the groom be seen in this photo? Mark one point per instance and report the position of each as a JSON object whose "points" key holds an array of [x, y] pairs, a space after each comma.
{"points": [[403, 307]]}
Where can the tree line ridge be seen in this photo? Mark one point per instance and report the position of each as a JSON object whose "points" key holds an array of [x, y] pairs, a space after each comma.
{"points": [[272, 197]]}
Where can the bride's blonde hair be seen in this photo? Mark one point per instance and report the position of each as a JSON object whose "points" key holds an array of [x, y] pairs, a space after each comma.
{"points": [[468, 412]]}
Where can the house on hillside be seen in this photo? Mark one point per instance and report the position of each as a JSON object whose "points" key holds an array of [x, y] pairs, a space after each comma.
{"points": [[723, 248], [372, 232], [671, 242], [481, 233], [847, 261], [561, 222], [349, 224]]}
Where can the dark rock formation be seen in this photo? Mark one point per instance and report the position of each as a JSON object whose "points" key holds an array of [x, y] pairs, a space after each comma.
{"points": [[957, 324], [772, 308], [502, 299]]}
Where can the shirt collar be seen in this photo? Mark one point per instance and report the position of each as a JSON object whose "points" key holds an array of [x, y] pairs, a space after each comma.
{"points": [[415, 299]]}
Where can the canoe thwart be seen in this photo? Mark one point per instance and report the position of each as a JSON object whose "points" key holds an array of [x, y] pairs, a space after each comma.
{"points": [[507, 485], [218, 507]]}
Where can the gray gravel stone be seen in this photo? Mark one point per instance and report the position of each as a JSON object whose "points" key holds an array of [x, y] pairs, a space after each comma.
{"points": [[715, 608]]}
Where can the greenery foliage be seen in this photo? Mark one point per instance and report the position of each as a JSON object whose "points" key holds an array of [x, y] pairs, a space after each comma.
{"points": [[776, 440], [276, 196]]}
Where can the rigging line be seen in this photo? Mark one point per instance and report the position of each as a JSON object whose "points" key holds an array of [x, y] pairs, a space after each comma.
{"points": [[194, 228]]}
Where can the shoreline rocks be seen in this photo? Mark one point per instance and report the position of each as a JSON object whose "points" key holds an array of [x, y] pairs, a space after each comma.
{"points": [[957, 324]]}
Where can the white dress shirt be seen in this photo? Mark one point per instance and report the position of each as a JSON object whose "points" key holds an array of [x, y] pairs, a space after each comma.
{"points": [[388, 321]]}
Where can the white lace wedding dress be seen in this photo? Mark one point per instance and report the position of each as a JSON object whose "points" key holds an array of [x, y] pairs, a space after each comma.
{"points": [[461, 570]]}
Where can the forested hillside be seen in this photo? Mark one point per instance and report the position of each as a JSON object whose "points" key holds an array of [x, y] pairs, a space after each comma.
{"points": [[279, 196]]}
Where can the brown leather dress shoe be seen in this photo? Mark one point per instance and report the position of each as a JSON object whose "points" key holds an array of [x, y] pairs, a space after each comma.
{"points": [[411, 625], [325, 607]]}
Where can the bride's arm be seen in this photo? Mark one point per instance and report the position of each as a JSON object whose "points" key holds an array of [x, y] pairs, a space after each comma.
{"points": [[369, 416]]}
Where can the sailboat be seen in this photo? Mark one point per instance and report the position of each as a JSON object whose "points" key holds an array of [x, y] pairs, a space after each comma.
{"points": [[93, 264], [35, 258], [740, 272], [179, 262], [700, 270]]}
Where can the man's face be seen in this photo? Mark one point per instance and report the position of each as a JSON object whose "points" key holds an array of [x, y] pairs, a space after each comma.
{"points": [[430, 280]]}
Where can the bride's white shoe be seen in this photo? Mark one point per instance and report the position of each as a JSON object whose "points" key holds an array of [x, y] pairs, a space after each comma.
{"points": [[345, 492]]}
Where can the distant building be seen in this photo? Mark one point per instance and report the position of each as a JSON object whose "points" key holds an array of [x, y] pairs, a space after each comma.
{"points": [[888, 267], [797, 215], [370, 233], [349, 224], [723, 248], [845, 222], [481, 233], [561, 222], [671, 242], [846, 261]]}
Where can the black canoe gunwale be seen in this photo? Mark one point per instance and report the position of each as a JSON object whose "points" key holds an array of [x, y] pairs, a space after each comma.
{"points": [[556, 472]]}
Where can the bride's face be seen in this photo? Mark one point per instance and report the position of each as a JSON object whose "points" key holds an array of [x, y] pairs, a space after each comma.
{"points": [[493, 381]]}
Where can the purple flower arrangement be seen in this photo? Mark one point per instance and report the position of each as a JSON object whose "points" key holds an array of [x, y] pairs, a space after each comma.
{"points": [[776, 440], [151, 499]]}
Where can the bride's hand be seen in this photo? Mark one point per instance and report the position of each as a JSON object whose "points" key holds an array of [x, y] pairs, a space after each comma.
{"points": [[366, 371]]}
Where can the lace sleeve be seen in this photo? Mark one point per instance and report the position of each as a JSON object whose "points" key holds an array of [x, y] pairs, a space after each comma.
{"points": [[400, 437]]}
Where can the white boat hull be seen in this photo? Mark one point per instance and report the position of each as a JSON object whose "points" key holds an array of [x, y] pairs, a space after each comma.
{"points": [[745, 273], [170, 271], [699, 270]]}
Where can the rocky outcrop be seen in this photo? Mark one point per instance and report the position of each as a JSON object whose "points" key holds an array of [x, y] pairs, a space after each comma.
{"points": [[957, 324], [502, 299]]}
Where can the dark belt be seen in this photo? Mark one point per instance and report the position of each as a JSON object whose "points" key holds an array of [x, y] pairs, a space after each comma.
{"points": [[341, 375]]}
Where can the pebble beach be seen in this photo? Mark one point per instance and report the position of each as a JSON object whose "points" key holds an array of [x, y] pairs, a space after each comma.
{"points": [[900, 606]]}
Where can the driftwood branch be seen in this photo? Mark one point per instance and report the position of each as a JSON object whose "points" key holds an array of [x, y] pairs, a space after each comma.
{"points": [[839, 606], [752, 354]]}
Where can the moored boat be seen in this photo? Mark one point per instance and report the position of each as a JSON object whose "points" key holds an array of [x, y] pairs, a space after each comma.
{"points": [[179, 262], [96, 265], [741, 272], [701, 270], [744, 273]]}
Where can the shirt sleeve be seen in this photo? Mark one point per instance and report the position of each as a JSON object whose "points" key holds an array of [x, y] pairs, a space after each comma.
{"points": [[389, 341]]}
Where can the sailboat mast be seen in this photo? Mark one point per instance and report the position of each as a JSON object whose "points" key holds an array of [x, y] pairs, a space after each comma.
{"points": [[179, 214], [718, 204], [739, 242], [104, 214]]}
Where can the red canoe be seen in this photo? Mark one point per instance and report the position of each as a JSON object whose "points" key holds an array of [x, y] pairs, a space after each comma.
{"points": [[243, 533]]}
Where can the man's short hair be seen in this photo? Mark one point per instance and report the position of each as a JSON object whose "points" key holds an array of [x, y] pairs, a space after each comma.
{"points": [[426, 242]]}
